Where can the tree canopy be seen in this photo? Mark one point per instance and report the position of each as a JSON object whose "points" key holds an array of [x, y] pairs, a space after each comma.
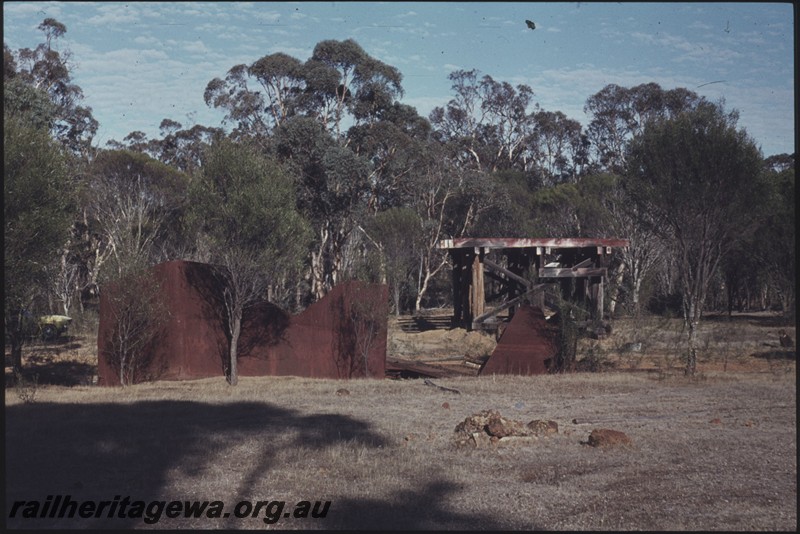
{"points": [[696, 176], [319, 173]]}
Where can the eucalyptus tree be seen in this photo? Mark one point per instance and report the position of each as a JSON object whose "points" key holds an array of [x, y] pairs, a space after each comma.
{"points": [[332, 192], [606, 210], [37, 206], [394, 145], [774, 243], [397, 236], [278, 83], [619, 113], [343, 79], [486, 123], [557, 147], [696, 176], [48, 70], [248, 227], [450, 202], [132, 208], [339, 85]]}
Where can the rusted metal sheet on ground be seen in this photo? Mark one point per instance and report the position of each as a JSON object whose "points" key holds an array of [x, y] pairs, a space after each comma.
{"points": [[327, 340], [528, 345]]}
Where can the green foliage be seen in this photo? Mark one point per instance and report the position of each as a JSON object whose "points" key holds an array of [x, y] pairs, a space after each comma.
{"points": [[696, 178], [398, 235], [48, 70], [555, 210], [593, 205], [512, 215], [245, 201], [28, 104], [773, 244], [698, 175], [38, 203], [244, 209], [620, 113]]}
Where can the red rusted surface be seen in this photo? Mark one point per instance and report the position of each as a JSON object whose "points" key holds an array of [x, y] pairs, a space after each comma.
{"points": [[528, 345], [193, 340], [511, 242], [330, 339], [326, 340]]}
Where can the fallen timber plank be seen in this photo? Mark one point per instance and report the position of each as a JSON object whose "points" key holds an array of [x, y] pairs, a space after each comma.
{"points": [[397, 367], [428, 382]]}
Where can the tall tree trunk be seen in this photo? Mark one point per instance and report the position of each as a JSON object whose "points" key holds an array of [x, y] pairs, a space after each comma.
{"points": [[16, 354], [637, 287], [396, 292], [614, 289], [692, 320], [236, 329]]}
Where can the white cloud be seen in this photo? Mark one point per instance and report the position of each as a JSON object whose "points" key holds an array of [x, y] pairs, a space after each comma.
{"points": [[146, 40], [113, 14], [196, 47]]}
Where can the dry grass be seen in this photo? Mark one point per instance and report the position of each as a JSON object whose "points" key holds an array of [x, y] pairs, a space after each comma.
{"points": [[385, 455]]}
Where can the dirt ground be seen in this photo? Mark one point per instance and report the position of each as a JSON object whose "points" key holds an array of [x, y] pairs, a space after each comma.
{"points": [[713, 452], [747, 342]]}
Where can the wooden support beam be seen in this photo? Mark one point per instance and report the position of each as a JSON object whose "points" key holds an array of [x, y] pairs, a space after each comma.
{"points": [[599, 298], [461, 286], [496, 268], [477, 296], [585, 263]]}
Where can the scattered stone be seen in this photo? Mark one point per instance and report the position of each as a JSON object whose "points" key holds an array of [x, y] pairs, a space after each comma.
{"points": [[716, 421], [501, 427], [540, 427], [491, 428], [604, 437], [342, 392], [480, 440], [446, 405]]}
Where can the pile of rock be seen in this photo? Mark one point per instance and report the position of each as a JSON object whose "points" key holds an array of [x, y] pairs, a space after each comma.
{"points": [[605, 437], [489, 428]]}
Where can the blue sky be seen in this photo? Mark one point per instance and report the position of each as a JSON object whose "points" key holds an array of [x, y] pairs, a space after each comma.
{"points": [[141, 62]]}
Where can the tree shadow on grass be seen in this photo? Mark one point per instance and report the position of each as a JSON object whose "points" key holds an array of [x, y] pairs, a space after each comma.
{"points": [[100, 451], [422, 509]]}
